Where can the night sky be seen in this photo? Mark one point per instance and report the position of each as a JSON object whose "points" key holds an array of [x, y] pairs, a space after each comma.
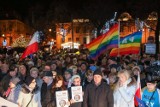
{"points": [[23, 6], [98, 11]]}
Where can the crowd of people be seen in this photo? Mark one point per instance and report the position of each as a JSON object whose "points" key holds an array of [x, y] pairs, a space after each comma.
{"points": [[106, 82]]}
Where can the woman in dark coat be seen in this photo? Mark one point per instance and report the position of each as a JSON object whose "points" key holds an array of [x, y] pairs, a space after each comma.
{"points": [[58, 85]]}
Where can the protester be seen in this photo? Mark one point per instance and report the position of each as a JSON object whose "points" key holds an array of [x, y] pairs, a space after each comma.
{"points": [[76, 81], [125, 90], [4, 70], [34, 72], [22, 74], [74, 69], [89, 78], [29, 95], [151, 94], [98, 93], [57, 86], [82, 72], [13, 90], [46, 96], [67, 77], [112, 80], [12, 73]]}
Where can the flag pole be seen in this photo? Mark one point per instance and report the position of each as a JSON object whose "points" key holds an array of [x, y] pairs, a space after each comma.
{"points": [[118, 38]]}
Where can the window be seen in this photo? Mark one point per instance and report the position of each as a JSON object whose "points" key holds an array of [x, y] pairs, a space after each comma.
{"points": [[84, 40], [77, 29], [77, 39], [69, 39], [84, 29], [121, 29]]}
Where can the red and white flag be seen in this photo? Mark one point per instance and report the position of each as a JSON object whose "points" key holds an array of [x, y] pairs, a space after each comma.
{"points": [[32, 47], [138, 91]]}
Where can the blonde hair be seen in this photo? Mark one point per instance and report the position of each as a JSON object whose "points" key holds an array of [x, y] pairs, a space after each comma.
{"points": [[127, 73]]}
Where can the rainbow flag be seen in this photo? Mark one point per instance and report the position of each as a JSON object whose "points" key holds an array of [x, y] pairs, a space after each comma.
{"points": [[104, 42], [130, 44]]}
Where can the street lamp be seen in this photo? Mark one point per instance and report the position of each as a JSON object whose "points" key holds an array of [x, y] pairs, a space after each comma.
{"points": [[3, 35], [50, 30]]}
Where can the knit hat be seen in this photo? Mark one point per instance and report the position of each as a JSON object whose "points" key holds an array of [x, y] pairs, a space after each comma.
{"points": [[15, 80], [98, 72], [75, 76], [29, 80], [48, 73]]}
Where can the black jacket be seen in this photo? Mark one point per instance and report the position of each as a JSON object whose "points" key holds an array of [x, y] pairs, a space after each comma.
{"points": [[98, 96], [46, 94]]}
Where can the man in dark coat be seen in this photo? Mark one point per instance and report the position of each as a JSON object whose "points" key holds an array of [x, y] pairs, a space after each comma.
{"points": [[46, 96], [98, 93]]}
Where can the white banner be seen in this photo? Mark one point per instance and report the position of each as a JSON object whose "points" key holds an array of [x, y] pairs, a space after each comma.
{"points": [[150, 48], [77, 93], [62, 98], [6, 103]]}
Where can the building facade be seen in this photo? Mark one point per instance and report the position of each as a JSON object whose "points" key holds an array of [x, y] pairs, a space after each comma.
{"points": [[10, 30], [128, 25], [78, 32], [83, 30]]}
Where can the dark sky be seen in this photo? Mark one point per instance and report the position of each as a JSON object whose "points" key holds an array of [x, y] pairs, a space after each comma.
{"points": [[21, 6], [131, 6]]}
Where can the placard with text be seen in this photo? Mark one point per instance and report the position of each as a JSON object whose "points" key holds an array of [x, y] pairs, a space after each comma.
{"points": [[77, 94]]}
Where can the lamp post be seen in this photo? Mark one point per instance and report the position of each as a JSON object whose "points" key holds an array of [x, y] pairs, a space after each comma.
{"points": [[72, 32]]}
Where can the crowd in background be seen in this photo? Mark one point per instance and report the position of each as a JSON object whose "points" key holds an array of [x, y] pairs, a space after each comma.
{"points": [[107, 81]]}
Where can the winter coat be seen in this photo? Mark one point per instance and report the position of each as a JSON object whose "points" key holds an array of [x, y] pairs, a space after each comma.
{"points": [[124, 96], [46, 95], [26, 96], [14, 94], [98, 96]]}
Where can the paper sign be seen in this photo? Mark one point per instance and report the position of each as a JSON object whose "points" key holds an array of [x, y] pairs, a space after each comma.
{"points": [[150, 48], [77, 93], [62, 98]]}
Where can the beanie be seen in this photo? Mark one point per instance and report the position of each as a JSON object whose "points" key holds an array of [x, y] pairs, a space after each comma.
{"points": [[75, 76], [29, 80], [98, 72], [48, 73]]}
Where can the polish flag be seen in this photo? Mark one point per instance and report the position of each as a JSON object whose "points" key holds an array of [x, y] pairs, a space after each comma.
{"points": [[32, 47], [138, 91]]}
